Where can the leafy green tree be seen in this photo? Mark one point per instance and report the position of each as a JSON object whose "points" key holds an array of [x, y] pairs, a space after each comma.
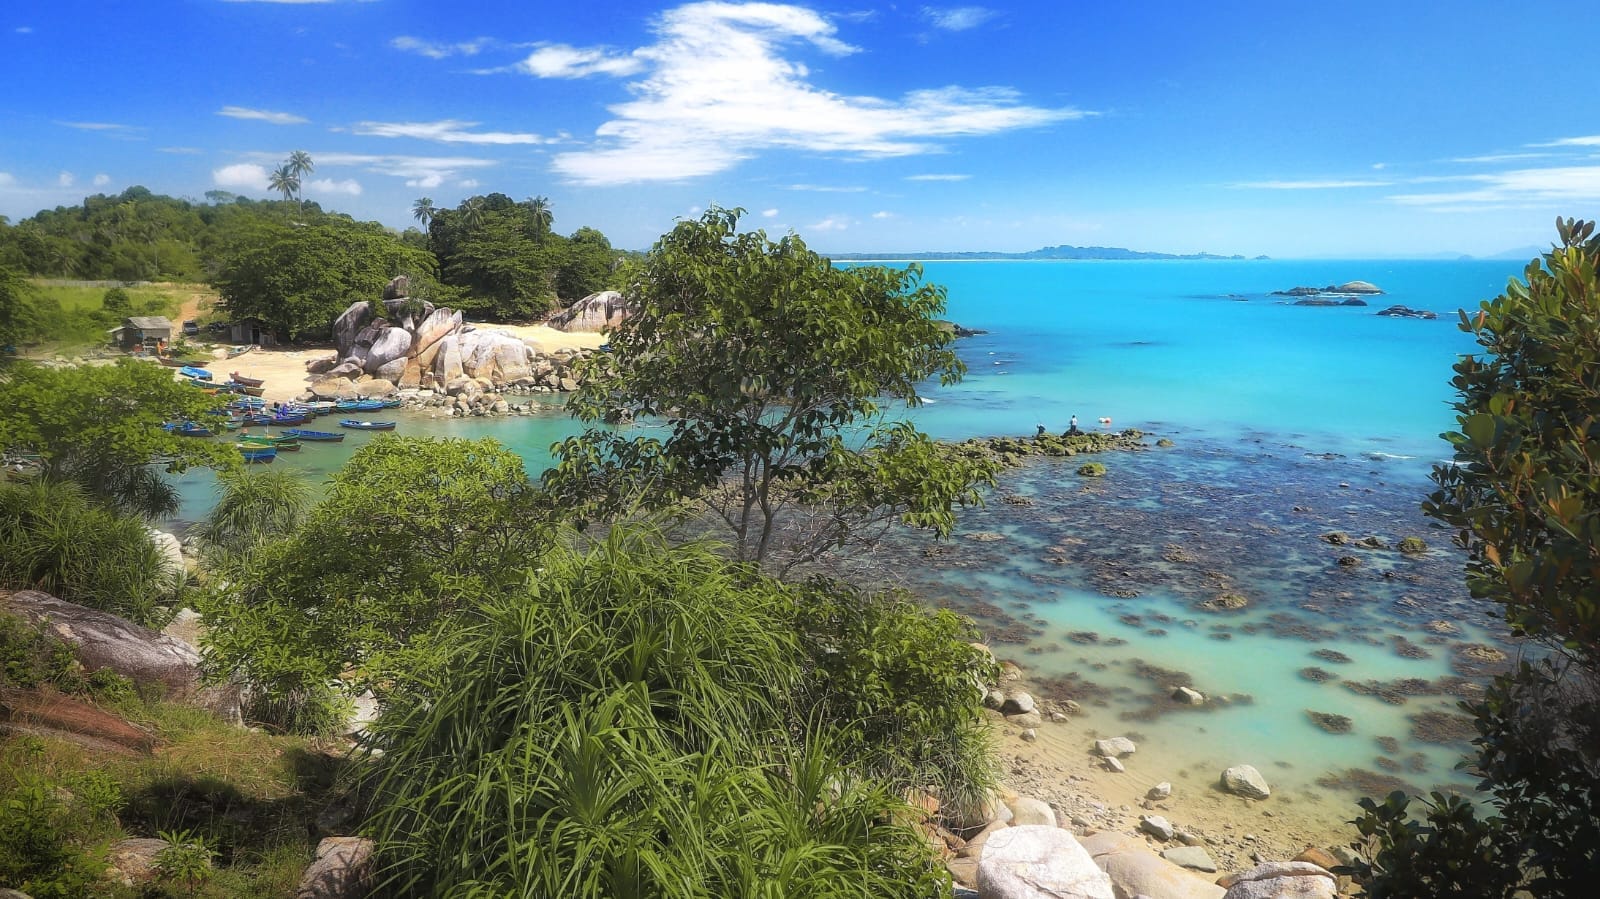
{"points": [[411, 532], [586, 264], [298, 279], [100, 427], [1524, 497], [284, 180], [770, 367], [624, 726], [18, 319], [542, 215], [423, 211]]}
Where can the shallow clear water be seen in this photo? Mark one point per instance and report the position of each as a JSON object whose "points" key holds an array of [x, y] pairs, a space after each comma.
{"points": [[1289, 422]]}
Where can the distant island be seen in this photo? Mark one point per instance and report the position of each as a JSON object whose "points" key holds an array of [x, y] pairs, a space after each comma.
{"points": [[1062, 252]]}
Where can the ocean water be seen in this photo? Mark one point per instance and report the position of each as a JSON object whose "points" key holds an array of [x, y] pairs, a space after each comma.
{"points": [[1288, 422]]}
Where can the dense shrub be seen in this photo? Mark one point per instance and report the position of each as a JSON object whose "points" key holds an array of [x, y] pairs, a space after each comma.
{"points": [[627, 727]]}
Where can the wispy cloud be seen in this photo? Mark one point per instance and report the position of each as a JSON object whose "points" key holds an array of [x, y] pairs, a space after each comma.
{"points": [[1499, 157], [882, 214], [7, 179], [291, 1], [1315, 184], [441, 50], [831, 223], [769, 213], [826, 188], [448, 131], [1562, 185], [719, 87], [109, 129], [181, 151], [1592, 140], [563, 61], [960, 18], [101, 180], [66, 179], [262, 115], [349, 186], [417, 171], [22, 29], [937, 177]]}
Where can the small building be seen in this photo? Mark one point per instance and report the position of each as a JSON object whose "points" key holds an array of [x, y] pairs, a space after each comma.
{"points": [[250, 331], [142, 330]]}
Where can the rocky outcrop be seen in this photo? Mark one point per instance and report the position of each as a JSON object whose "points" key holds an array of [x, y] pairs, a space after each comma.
{"points": [[102, 640], [1115, 747], [414, 346], [1282, 880], [132, 863], [595, 312], [342, 870], [1136, 871], [1039, 862], [1348, 287], [1408, 312]]}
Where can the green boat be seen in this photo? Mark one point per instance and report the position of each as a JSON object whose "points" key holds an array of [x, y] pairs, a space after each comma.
{"points": [[282, 443]]}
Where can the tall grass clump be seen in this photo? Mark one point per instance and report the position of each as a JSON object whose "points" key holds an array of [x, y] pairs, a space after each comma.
{"points": [[54, 538], [630, 725], [255, 505]]}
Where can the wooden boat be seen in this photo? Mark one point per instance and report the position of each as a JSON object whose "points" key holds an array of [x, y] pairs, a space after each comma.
{"points": [[192, 429], [251, 404], [238, 351], [358, 405], [199, 374], [282, 442], [244, 389], [257, 454], [248, 382], [314, 436], [170, 362], [359, 425]]}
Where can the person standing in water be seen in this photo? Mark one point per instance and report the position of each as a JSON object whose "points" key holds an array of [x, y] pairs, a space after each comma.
{"points": [[1072, 425]]}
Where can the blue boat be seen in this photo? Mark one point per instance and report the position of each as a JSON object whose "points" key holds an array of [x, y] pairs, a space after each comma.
{"points": [[359, 425], [359, 405], [198, 374], [192, 429], [314, 436], [257, 454]]}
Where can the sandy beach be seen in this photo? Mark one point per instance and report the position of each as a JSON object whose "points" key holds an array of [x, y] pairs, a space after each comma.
{"points": [[284, 369]]}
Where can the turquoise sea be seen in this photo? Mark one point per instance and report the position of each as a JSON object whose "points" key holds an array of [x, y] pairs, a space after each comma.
{"points": [[1289, 422]]}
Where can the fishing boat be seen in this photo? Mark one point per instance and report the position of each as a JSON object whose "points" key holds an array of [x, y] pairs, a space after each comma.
{"points": [[247, 402], [283, 442], [314, 436], [318, 407], [238, 351], [248, 382], [257, 454], [192, 429], [198, 374], [170, 362], [358, 405], [245, 389], [359, 425]]}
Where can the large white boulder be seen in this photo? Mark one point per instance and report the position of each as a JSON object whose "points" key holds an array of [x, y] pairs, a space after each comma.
{"points": [[1283, 880], [387, 346], [1246, 781], [171, 550], [1038, 862], [1136, 871], [349, 324], [595, 312], [1115, 748]]}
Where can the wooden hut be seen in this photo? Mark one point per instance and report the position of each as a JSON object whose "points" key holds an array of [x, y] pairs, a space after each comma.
{"points": [[143, 330]]}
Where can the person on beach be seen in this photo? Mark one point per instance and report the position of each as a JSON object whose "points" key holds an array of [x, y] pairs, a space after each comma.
{"points": [[1072, 425], [1041, 431]]}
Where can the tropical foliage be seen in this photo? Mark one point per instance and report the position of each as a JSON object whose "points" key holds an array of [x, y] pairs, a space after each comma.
{"points": [[100, 427], [770, 368], [625, 727], [1524, 498]]}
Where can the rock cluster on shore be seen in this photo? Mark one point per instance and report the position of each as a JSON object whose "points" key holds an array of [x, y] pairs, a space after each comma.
{"points": [[430, 357], [1348, 287]]}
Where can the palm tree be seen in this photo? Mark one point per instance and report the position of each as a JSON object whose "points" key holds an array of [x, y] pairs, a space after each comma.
{"points": [[423, 211], [472, 212], [301, 165], [284, 181], [543, 216]]}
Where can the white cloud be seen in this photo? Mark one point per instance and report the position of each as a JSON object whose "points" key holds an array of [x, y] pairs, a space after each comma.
{"points": [[1325, 184], [831, 223], [65, 179], [181, 151], [109, 129], [417, 171], [1592, 140], [1379, 166], [883, 215], [769, 213], [960, 18], [23, 29], [937, 177], [262, 115], [246, 175], [825, 189], [467, 183], [563, 61], [349, 186], [1500, 157], [7, 179], [102, 179], [718, 88], [449, 131], [436, 50], [1561, 185]]}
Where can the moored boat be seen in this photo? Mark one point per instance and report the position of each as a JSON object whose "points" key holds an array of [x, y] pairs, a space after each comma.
{"points": [[236, 352], [248, 382], [257, 454], [282, 442], [314, 436], [359, 425], [199, 374]]}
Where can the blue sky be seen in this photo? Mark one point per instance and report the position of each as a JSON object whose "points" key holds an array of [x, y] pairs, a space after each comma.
{"points": [[1290, 129]]}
